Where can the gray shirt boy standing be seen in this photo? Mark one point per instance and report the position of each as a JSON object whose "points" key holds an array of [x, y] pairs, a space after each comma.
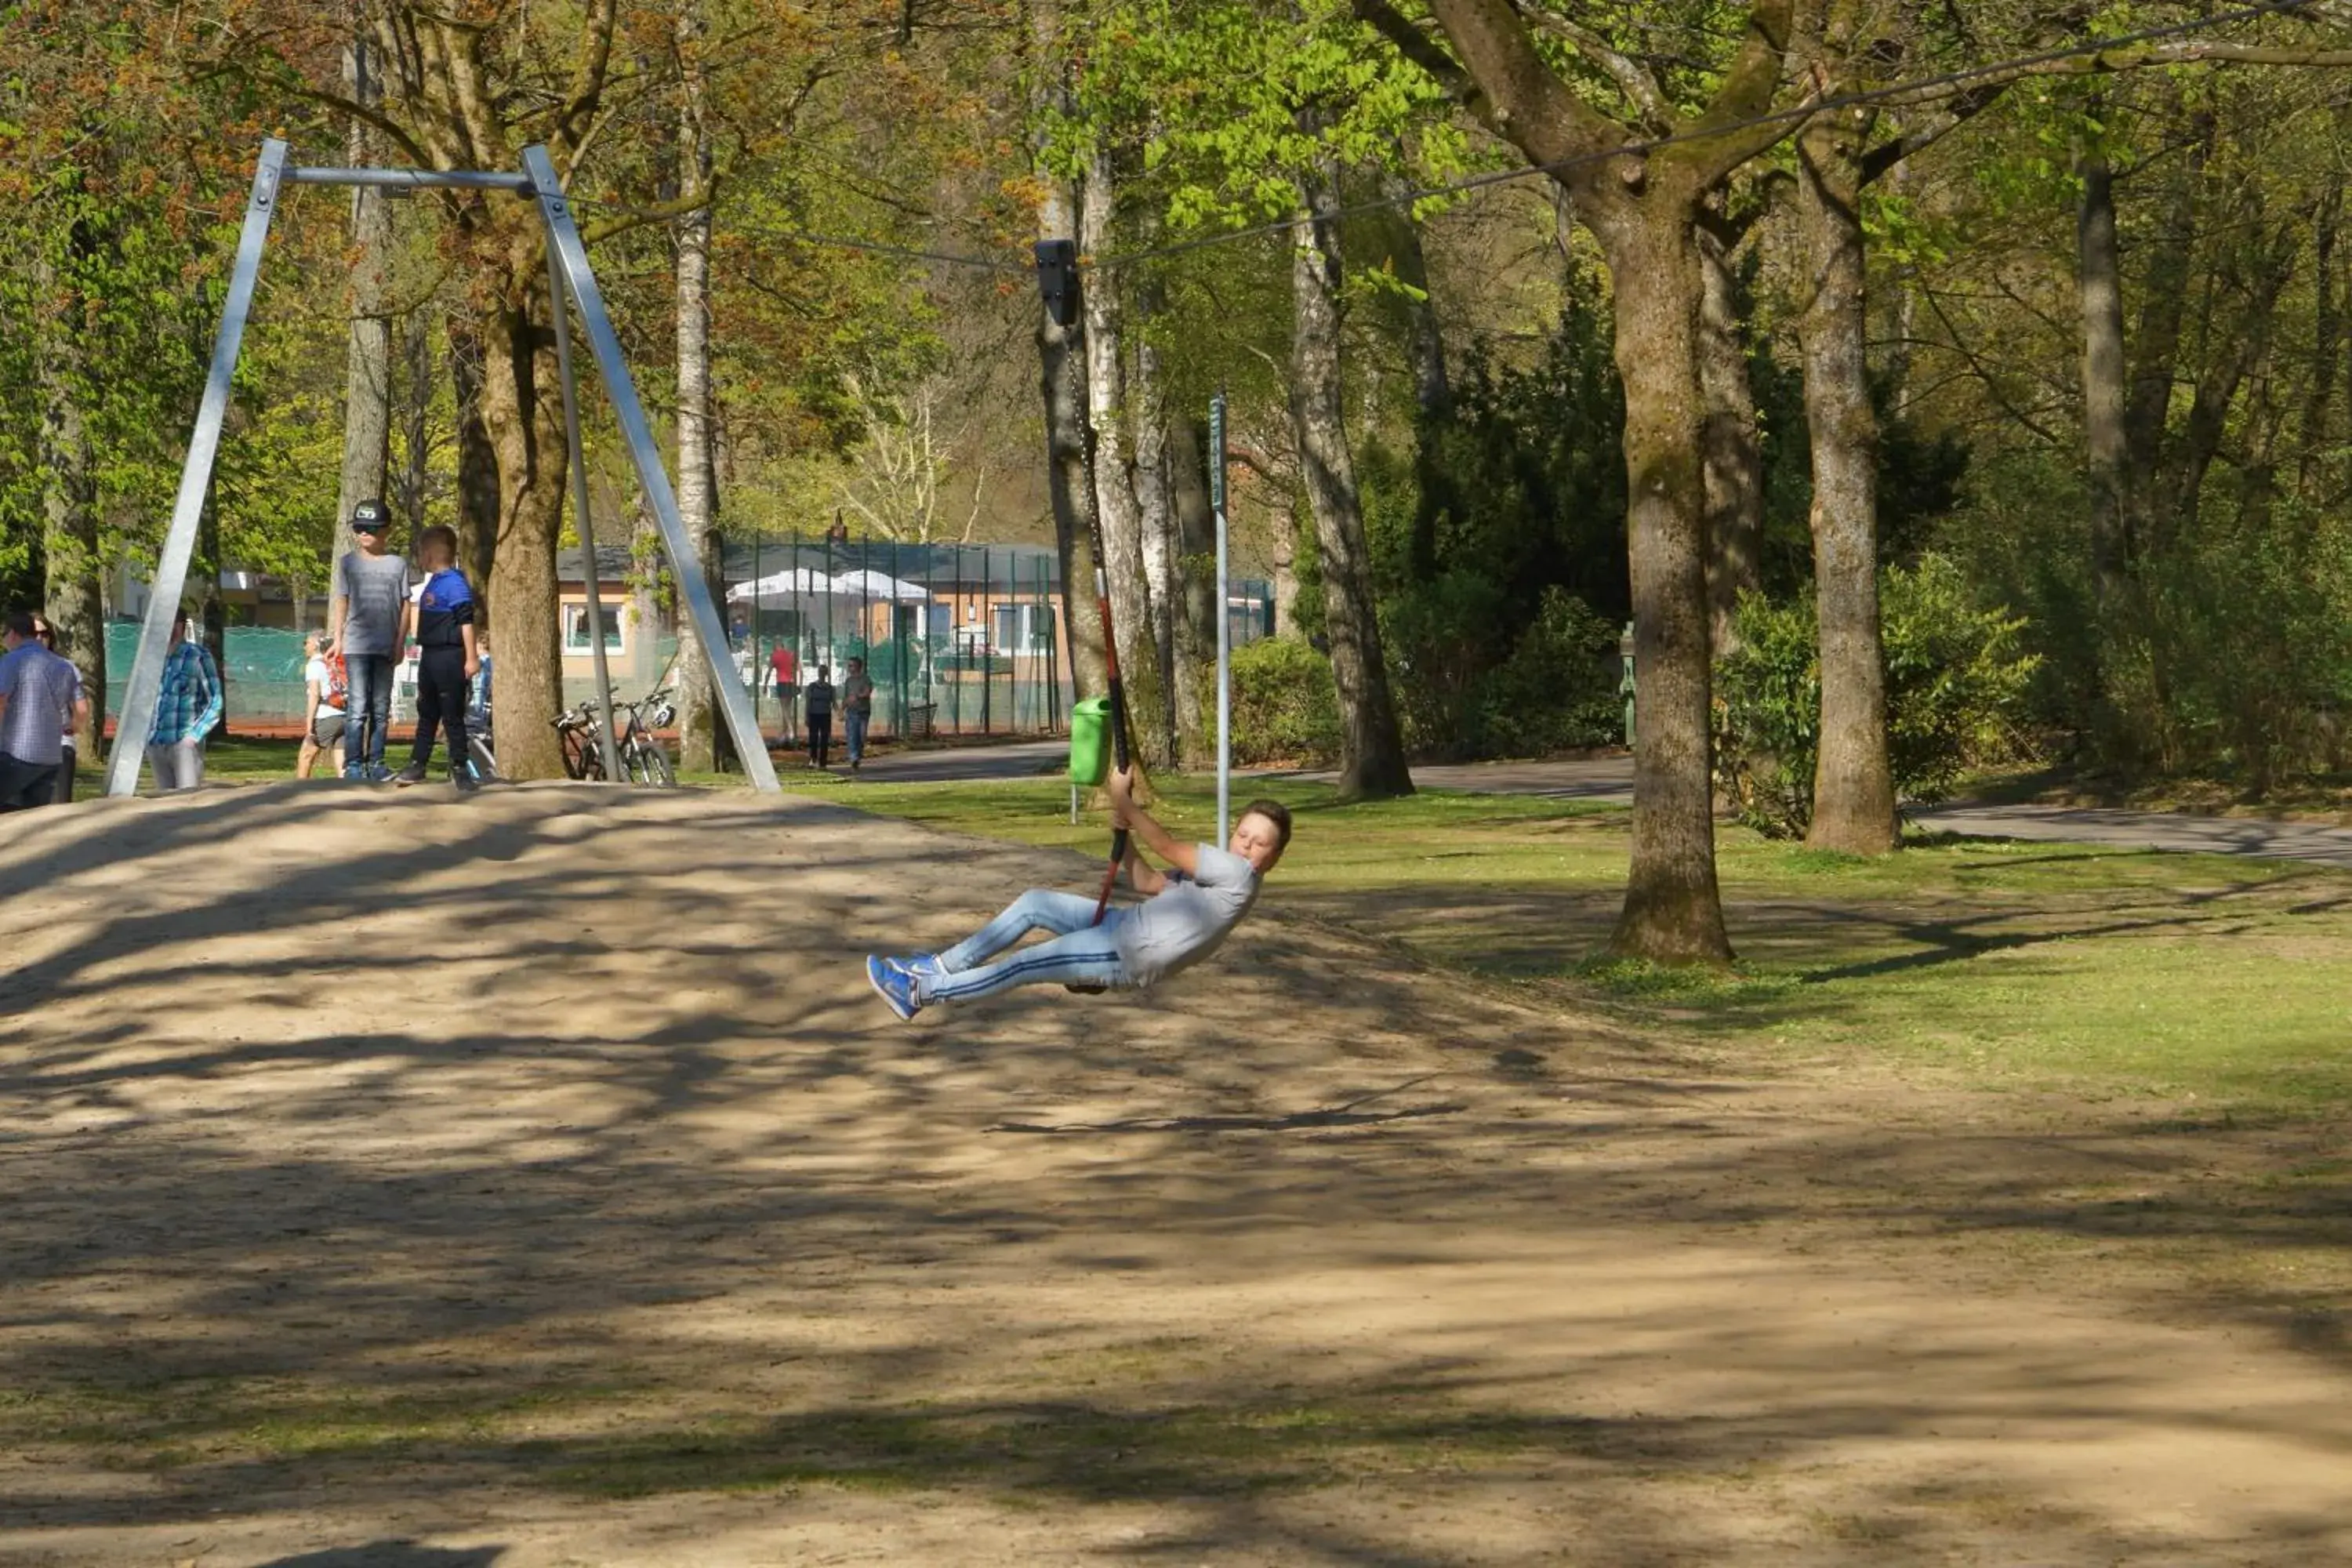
{"points": [[374, 591]]}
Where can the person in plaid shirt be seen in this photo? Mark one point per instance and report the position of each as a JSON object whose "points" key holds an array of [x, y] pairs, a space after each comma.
{"points": [[187, 708]]}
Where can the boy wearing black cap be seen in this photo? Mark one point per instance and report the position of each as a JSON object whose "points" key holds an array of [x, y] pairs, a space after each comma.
{"points": [[371, 596]]}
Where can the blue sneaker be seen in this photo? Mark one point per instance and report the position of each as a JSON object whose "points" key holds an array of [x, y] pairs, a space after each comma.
{"points": [[895, 987], [923, 965]]}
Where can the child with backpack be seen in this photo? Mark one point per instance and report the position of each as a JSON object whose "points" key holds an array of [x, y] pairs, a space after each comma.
{"points": [[446, 656], [326, 689]]}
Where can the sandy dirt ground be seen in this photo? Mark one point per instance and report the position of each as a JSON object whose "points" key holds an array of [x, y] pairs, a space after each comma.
{"points": [[397, 1182]]}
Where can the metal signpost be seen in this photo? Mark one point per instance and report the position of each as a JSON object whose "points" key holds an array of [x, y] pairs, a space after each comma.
{"points": [[569, 272]]}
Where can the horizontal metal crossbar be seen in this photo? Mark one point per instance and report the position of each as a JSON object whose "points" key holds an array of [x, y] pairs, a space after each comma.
{"points": [[410, 179]]}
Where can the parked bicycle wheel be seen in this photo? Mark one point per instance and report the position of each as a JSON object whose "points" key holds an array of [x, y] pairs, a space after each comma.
{"points": [[581, 760], [649, 765]]}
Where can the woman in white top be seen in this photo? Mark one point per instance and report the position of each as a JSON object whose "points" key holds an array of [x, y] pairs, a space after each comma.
{"points": [[322, 719]]}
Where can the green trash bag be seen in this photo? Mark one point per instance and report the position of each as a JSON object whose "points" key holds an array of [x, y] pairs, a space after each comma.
{"points": [[1090, 742]]}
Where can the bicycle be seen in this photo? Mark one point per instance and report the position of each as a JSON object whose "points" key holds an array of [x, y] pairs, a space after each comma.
{"points": [[583, 756], [643, 761]]}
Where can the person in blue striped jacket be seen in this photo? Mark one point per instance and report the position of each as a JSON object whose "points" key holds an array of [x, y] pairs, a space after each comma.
{"points": [[187, 708]]}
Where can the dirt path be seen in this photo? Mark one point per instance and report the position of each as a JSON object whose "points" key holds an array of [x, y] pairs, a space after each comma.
{"points": [[630, 1229]]}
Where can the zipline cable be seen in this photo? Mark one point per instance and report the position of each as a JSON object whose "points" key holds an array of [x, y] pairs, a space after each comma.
{"points": [[1921, 87]]}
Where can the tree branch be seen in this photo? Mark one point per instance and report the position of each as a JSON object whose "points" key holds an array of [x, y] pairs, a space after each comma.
{"points": [[588, 75], [1515, 93], [1633, 79], [294, 87], [1962, 108], [2139, 57], [1422, 50], [1747, 94], [1985, 376], [638, 217]]}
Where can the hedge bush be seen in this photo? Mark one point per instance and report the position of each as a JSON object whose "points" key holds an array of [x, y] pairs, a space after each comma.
{"points": [[1955, 676]]}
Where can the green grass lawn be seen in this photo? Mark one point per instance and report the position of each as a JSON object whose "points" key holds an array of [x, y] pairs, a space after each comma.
{"points": [[2011, 965]]}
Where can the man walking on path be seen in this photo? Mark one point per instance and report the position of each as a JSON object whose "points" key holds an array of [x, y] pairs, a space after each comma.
{"points": [[856, 711], [187, 708], [818, 695], [41, 702], [371, 596], [46, 635]]}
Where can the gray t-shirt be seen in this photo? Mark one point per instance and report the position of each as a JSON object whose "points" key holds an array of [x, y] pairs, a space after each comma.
{"points": [[41, 688], [1185, 921], [374, 590]]}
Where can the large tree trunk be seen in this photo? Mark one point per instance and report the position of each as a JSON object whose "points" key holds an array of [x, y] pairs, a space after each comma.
{"points": [[1645, 210], [1061, 379], [2246, 348], [699, 744], [2099, 287], [1285, 571], [367, 370], [477, 461], [442, 89], [2156, 346], [1115, 481], [2326, 335], [71, 597], [1194, 610], [1372, 747], [1162, 552], [1731, 452], [415, 477], [1853, 782], [1432, 385], [1673, 911], [525, 424]]}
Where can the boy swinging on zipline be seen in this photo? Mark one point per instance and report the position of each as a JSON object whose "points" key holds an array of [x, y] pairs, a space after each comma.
{"points": [[1188, 911]]}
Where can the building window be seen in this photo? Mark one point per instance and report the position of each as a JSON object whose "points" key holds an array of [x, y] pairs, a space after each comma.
{"points": [[575, 631], [1024, 629]]}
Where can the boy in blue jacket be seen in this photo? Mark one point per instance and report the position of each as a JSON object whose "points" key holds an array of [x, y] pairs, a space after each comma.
{"points": [[441, 618]]}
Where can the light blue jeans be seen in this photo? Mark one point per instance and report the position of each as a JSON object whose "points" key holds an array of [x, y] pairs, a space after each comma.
{"points": [[1081, 953], [852, 735]]}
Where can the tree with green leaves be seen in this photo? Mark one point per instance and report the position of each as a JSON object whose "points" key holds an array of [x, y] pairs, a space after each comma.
{"points": [[1513, 69]]}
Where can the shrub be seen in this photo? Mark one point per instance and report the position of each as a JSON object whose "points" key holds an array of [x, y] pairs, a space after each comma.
{"points": [[1442, 637], [1558, 688], [1955, 677], [1285, 708], [1767, 715], [1464, 690]]}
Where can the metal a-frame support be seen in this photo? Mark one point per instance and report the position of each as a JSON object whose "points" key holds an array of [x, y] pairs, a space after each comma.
{"points": [[569, 275]]}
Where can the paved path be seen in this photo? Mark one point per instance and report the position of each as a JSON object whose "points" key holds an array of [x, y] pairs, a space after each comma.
{"points": [[1610, 780], [2313, 842], [1014, 760], [1606, 780]]}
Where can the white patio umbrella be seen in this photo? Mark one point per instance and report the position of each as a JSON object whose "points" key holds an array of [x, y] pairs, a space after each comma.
{"points": [[870, 584], [786, 590]]}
